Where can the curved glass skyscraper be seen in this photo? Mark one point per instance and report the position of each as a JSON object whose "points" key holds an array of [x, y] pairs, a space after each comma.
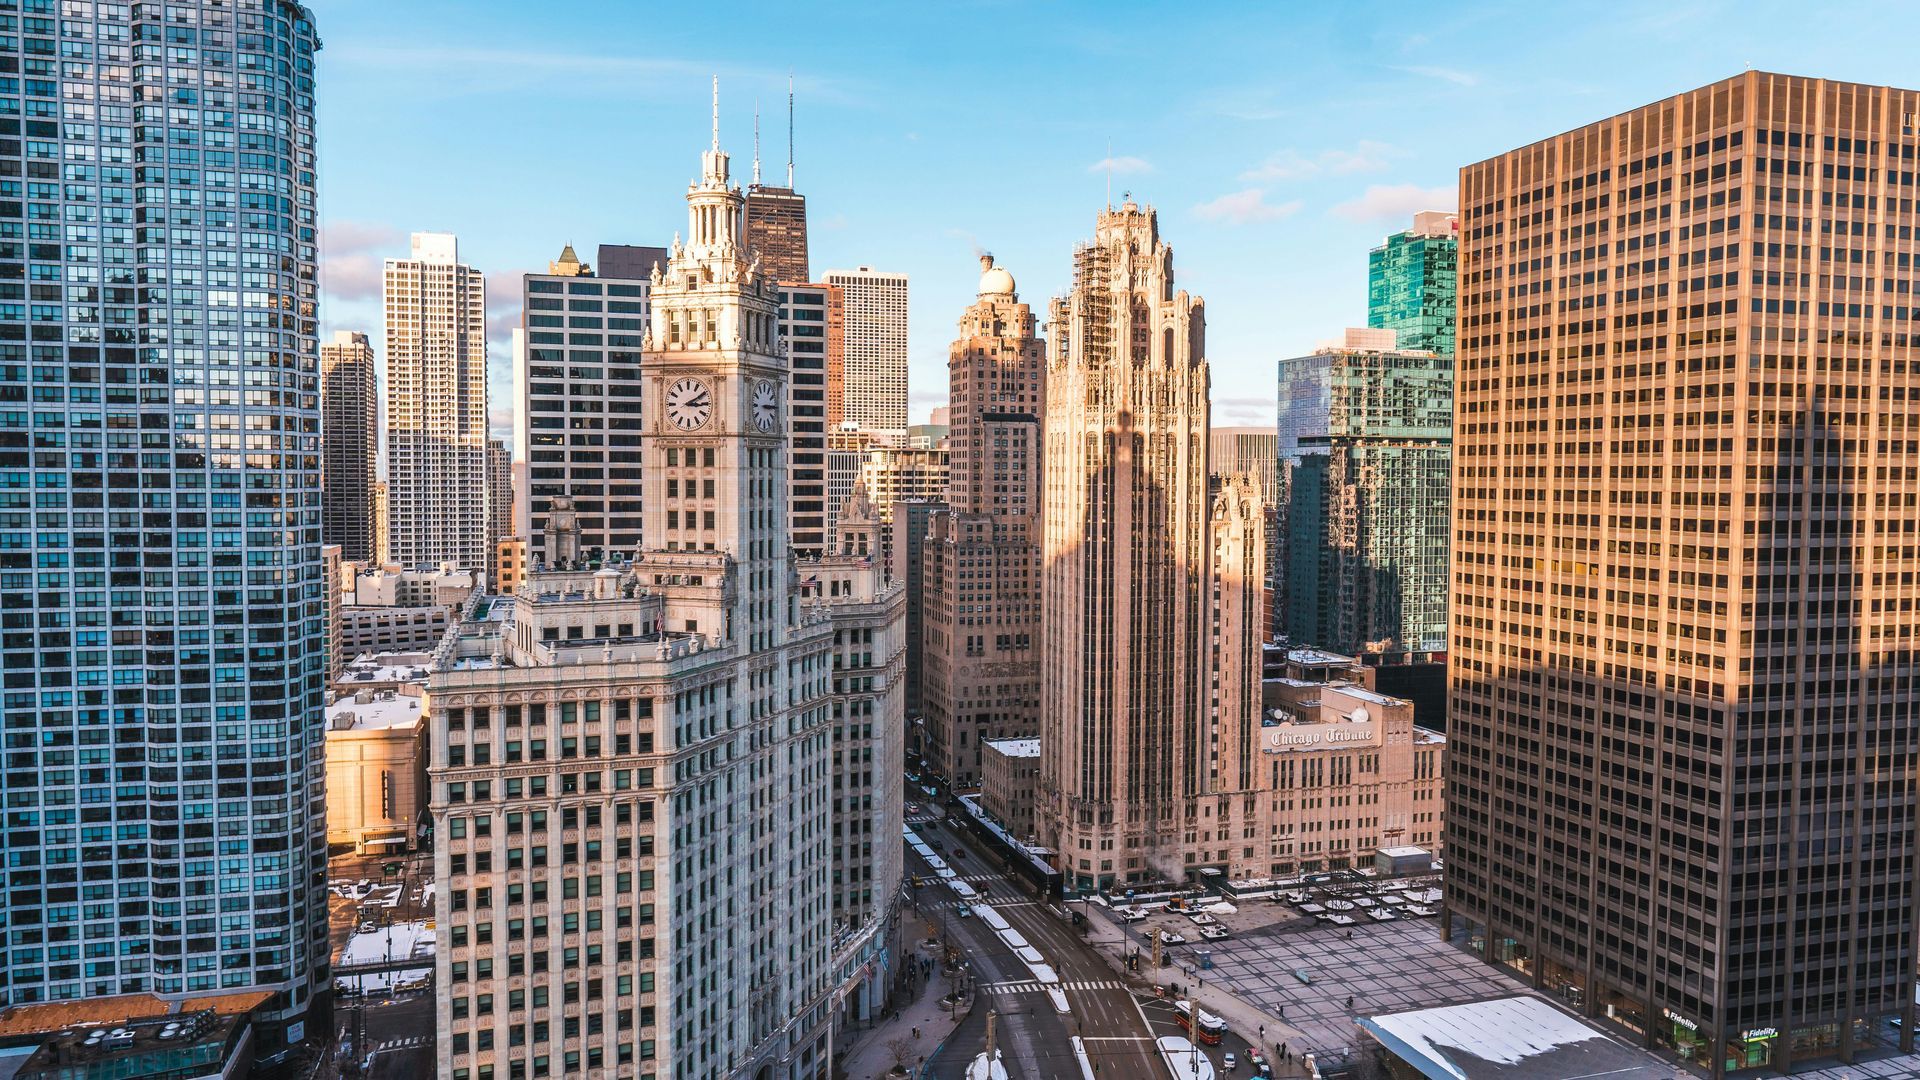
{"points": [[160, 577]]}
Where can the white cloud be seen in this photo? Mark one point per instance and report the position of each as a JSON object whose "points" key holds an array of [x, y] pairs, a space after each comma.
{"points": [[1290, 164], [1395, 201], [1443, 74], [1243, 412], [1241, 207], [352, 254], [1121, 165]]}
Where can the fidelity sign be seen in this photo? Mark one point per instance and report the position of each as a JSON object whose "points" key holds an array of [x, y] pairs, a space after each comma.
{"points": [[1283, 738]]}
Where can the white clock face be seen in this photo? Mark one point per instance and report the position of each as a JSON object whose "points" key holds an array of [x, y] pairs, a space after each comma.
{"points": [[689, 404], [766, 406]]}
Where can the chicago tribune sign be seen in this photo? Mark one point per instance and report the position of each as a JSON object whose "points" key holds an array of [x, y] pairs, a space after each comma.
{"points": [[1284, 738]]}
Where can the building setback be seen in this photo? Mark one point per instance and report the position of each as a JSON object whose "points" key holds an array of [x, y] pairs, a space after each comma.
{"points": [[350, 443], [1365, 456], [1681, 787], [981, 627], [873, 386], [577, 399], [436, 320], [169, 598], [1411, 283]]}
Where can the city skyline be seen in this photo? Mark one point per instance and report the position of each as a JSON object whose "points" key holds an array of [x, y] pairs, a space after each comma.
{"points": [[1375, 104]]}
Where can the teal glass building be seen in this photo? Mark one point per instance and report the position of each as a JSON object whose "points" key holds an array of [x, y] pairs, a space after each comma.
{"points": [[1411, 281]]}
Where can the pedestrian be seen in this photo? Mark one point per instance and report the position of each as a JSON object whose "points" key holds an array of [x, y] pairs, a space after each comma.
{"points": [[916, 1033], [1349, 1001]]}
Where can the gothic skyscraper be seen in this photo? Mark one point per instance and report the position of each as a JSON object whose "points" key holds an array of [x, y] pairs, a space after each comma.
{"points": [[1125, 666]]}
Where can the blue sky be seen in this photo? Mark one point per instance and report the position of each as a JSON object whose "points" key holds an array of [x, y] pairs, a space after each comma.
{"points": [[1278, 141]]}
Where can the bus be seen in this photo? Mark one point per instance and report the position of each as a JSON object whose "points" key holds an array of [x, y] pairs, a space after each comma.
{"points": [[1209, 1029]]}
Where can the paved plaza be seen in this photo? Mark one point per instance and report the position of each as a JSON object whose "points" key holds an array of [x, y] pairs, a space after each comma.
{"points": [[1383, 967]]}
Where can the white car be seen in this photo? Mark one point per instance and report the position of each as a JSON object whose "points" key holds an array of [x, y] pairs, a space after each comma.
{"points": [[1230, 1061], [1172, 937]]}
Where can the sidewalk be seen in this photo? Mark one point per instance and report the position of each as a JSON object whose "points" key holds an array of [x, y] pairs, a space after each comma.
{"points": [[869, 1057], [1244, 1020]]}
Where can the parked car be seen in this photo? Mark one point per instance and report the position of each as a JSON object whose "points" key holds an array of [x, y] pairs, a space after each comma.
{"points": [[959, 852], [965, 910]]}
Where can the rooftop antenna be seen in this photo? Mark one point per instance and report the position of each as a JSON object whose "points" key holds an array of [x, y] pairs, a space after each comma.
{"points": [[756, 144], [789, 130], [716, 113]]}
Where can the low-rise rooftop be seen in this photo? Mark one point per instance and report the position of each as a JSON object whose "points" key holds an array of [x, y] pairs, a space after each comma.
{"points": [[376, 710], [1015, 747]]}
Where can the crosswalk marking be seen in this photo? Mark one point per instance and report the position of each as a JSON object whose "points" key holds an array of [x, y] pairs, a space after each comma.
{"points": [[1031, 986], [403, 1044]]}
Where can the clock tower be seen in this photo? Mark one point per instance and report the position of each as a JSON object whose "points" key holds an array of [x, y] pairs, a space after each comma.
{"points": [[714, 390]]}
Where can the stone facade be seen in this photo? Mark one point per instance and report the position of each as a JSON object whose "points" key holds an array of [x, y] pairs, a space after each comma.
{"points": [[981, 629], [635, 764]]}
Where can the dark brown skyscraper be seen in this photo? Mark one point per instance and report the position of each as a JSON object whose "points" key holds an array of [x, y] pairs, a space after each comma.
{"points": [[1680, 784], [777, 217], [777, 231], [350, 441]]}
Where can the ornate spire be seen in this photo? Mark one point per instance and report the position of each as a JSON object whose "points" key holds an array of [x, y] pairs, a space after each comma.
{"points": [[716, 114]]}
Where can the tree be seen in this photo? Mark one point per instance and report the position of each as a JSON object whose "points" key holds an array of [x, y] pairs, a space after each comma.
{"points": [[901, 1048]]}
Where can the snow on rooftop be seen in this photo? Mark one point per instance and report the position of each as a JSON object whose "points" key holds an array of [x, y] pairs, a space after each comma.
{"points": [[1015, 747], [1518, 1037], [401, 941]]}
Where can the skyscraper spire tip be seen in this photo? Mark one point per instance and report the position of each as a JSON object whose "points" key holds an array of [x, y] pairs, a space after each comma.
{"points": [[756, 142], [789, 131], [716, 113]]}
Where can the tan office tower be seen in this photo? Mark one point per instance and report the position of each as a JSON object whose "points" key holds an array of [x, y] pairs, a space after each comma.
{"points": [[873, 386], [350, 440], [1681, 778], [1247, 451], [1125, 623], [436, 408], [981, 624]]}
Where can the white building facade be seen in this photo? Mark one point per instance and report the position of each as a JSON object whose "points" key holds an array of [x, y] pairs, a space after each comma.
{"points": [[633, 774], [874, 384], [437, 490]]}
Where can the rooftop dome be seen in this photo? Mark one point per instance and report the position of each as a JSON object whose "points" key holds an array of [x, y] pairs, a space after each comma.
{"points": [[994, 280]]}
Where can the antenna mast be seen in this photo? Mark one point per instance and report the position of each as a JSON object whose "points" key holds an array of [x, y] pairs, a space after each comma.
{"points": [[716, 113], [756, 144], [789, 131]]}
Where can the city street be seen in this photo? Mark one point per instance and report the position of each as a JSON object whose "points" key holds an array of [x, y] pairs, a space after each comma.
{"points": [[1116, 1024]]}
